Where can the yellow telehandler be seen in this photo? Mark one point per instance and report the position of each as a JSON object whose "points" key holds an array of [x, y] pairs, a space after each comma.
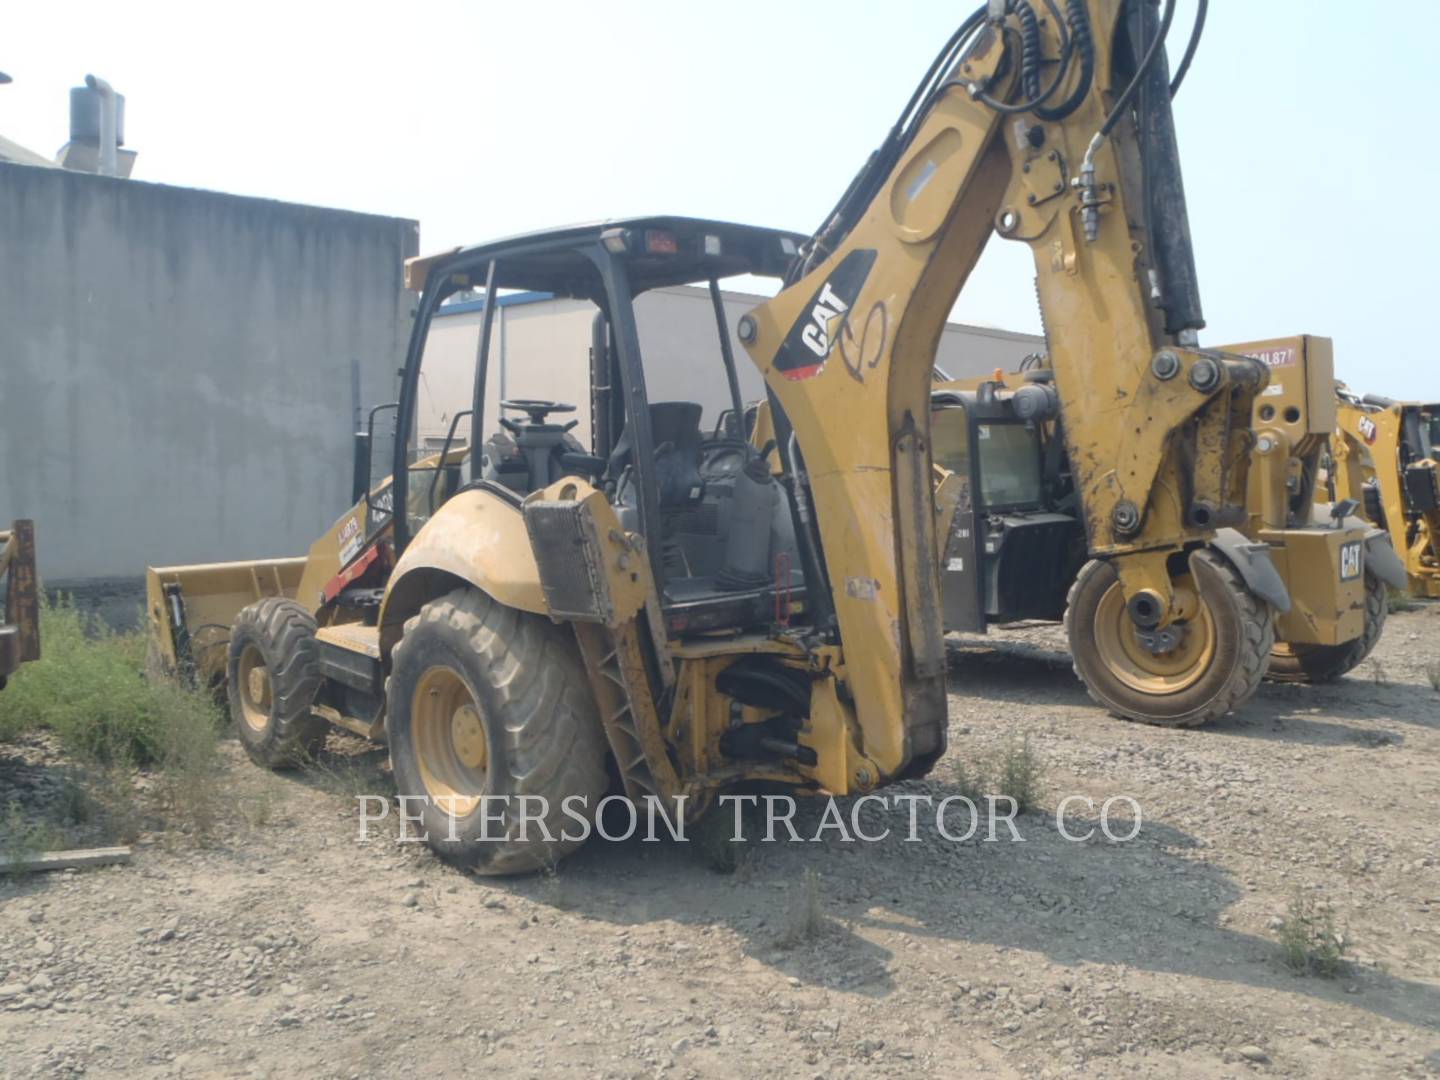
{"points": [[1386, 456], [1014, 546], [528, 622]]}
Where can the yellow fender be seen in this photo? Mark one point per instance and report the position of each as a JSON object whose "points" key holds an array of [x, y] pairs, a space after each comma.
{"points": [[477, 538]]}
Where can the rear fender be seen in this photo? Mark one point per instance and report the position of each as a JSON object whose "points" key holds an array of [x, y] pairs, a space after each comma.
{"points": [[1253, 563], [476, 538], [1383, 561]]}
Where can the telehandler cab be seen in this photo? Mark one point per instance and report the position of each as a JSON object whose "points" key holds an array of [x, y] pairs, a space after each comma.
{"points": [[674, 615], [1386, 456], [1014, 547]]}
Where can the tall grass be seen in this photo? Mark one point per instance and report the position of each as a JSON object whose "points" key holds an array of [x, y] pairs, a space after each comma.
{"points": [[89, 691], [88, 688]]}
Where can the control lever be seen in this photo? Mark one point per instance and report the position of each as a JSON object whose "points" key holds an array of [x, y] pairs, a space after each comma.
{"points": [[583, 464]]}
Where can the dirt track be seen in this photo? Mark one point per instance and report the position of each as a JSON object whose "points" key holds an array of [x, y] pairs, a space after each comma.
{"points": [[290, 950]]}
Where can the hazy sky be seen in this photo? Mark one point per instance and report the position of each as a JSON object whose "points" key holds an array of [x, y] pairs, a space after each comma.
{"points": [[1306, 130]]}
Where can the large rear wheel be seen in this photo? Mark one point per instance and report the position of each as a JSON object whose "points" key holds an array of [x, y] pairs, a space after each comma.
{"points": [[272, 675], [1298, 663], [1214, 665], [493, 729]]}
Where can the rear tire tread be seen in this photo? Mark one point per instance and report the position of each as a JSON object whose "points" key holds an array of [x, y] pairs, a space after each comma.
{"points": [[552, 742], [1318, 664]]}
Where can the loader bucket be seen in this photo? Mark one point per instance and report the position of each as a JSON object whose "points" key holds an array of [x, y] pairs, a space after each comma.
{"points": [[190, 610]]}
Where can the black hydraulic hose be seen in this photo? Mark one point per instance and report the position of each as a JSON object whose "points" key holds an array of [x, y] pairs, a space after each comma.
{"points": [[1061, 28], [1080, 37], [862, 188], [942, 61], [1151, 54], [1030, 73], [1190, 49], [1029, 50]]}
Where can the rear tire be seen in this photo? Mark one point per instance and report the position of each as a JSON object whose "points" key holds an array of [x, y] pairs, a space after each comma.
{"points": [[485, 706], [1295, 663], [1217, 666], [273, 672]]}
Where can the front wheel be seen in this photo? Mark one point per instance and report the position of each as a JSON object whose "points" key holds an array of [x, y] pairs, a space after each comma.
{"points": [[273, 672], [494, 734], [1214, 666], [1297, 663]]}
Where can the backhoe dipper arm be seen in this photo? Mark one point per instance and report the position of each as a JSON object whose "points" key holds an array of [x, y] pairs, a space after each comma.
{"points": [[1043, 132]]}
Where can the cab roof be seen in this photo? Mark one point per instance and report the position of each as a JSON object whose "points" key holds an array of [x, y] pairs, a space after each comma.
{"points": [[656, 251]]}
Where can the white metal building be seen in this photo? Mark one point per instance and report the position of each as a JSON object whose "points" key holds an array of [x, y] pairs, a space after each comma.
{"points": [[540, 349]]}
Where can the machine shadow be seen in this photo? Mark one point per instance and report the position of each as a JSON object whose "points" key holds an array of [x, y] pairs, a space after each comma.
{"points": [[1012, 670], [1145, 904], [1002, 670]]}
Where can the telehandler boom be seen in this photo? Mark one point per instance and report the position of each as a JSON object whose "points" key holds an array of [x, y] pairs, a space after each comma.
{"points": [[673, 615]]}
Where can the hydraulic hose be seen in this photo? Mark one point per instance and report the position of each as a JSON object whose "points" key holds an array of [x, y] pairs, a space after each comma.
{"points": [[1190, 48], [1084, 44], [1150, 54], [1030, 70]]}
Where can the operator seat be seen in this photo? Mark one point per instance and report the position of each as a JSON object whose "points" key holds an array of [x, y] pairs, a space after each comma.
{"points": [[675, 432]]}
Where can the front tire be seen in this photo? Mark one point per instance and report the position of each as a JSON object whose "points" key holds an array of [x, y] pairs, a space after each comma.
{"points": [[1218, 663], [488, 707], [1298, 663], [273, 672]]}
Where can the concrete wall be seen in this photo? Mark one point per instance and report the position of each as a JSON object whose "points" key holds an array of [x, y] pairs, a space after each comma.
{"points": [[180, 369]]}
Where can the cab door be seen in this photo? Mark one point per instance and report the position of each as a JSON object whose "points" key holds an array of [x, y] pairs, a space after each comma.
{"points": [[961, 577]]}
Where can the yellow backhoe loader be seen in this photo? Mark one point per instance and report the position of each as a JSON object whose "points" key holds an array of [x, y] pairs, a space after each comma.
{"points": [[20, 628], [530, 622], [1386, 456], [1012, 518]]}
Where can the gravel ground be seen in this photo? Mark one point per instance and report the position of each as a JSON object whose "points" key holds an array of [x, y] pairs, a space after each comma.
{"points": [[286, 948]]}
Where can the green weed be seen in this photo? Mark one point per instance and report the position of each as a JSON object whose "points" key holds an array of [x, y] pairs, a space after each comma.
{"points": [[88, 690], [21, 839], [1015, 771], [1309, 941]]}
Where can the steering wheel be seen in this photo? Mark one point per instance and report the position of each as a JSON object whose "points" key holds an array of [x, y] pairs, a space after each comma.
{"points": [[535, 408]]}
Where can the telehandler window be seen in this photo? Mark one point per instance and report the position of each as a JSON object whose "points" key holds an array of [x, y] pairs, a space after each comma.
{"points": [[1009, 456], [950, 440], [1009, 464]]}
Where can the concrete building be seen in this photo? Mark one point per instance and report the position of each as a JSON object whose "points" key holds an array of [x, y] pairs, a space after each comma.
{"points": [[540, 349], [181, 371]]}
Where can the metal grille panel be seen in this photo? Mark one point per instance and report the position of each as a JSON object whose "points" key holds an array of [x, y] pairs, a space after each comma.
{"points": [[568, 554]]}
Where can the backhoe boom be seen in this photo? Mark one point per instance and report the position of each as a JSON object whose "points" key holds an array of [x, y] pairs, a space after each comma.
{"points": [[1156, 428]]}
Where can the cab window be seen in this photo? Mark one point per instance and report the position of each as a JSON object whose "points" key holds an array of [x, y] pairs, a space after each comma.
{"points": [[1009, 464]]}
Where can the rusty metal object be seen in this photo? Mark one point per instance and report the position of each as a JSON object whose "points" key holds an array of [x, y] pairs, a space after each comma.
{"points": [[20, 631]]}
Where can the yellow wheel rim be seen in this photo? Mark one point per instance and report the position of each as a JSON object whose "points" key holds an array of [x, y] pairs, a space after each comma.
{"points": [[451, 747], [1139, 668], [254, 683]]}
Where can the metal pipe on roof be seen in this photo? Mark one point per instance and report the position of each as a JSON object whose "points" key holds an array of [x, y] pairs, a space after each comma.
{"points": [[107, 161]]}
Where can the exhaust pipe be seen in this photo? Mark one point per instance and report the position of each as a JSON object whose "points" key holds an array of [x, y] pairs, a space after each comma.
{"points": [[108, 134]]}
